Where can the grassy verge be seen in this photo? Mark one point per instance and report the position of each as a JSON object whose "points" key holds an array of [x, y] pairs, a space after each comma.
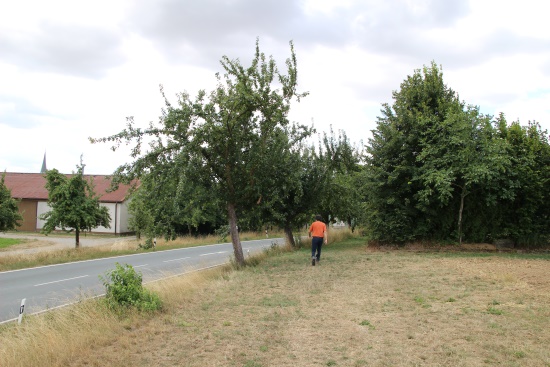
{"points": [[7, 242], [119, 247], [360, 307]]}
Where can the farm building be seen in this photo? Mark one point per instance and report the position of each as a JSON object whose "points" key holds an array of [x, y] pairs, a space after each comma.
{"points": [[30, 190]]}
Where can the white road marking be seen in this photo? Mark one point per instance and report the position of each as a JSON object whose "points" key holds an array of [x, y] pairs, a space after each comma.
{"points": [[139, 266], [214, 253], [62, 280], [181, 258]]}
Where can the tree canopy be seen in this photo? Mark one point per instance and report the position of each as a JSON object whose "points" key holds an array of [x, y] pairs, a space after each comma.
{"points": [[9, 210], [222, 142], [438, 169], [435, 169]]}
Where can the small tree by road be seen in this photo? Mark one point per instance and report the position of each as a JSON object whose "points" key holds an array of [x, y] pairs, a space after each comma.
{"points": [[74, 204], [9, 212]]}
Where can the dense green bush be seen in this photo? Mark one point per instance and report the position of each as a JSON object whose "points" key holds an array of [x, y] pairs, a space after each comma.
{"points": [[124, 288], [440, 170]]}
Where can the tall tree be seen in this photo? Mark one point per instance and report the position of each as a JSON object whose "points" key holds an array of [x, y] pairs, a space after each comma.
{"points": [[393, 211], [74, 204], [225, 135], [9, 211], [391, 155]]}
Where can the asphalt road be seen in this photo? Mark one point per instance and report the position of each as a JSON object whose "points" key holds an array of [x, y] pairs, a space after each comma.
{"points": [[54, 286]]}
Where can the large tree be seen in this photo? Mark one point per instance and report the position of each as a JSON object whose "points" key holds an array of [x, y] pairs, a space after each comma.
{"points": [[392, 164], [9, 211], [74, 204], [225, 136]]}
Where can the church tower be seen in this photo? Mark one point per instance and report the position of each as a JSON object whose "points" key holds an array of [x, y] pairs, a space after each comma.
{"points": [[44, 168]]}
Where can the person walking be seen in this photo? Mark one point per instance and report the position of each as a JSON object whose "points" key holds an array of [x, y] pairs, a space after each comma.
{"points": [[317, 233]]}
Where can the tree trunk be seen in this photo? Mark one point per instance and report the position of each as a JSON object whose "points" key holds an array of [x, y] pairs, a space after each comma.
{"points": [[289, 235], [77, 236], [462, 196], [351, 224], [237, 248]]}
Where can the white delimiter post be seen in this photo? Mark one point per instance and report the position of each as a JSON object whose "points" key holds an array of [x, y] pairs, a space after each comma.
{"points": [[21, 310]]}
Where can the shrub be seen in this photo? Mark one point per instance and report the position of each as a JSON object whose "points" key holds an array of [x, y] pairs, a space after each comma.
{"points": [[124, 288], [149, 244]]}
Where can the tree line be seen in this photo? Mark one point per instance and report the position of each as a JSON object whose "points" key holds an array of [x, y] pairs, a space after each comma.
{"points": [[231, 156], [440, 170], [435, 168]]}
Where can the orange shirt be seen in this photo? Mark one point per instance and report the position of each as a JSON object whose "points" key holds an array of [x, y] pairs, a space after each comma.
{"points": [[318, 229]]}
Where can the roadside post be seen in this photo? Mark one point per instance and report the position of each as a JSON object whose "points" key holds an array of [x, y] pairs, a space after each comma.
{"points": [[21, 310]]}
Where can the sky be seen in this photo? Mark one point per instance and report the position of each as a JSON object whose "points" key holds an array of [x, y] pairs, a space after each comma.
{"points": [[71, 69]]}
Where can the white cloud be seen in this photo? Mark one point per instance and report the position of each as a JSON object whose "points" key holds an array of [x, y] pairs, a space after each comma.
{"points": [[71, 70]]}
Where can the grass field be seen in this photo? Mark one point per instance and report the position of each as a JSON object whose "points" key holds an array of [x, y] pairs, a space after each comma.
{"points": [[360, 307], [7, 242]]}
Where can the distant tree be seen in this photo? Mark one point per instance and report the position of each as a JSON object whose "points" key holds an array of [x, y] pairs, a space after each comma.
{"points": [[225, 135], [171, 202], [74, 204], [140, 220], [9, 211], [293, 194], [341, 197]]}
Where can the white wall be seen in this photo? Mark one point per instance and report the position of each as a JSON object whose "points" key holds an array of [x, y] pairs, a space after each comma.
{"points": [[123, 217], [117, 211], [112, 210], [41, 208]]}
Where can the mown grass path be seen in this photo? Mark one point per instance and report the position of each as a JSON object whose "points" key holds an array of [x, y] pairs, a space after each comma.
{"points": [[359, 308]]}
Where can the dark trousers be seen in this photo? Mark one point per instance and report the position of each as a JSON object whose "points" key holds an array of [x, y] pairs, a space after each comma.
{"points": [[316, 243]]}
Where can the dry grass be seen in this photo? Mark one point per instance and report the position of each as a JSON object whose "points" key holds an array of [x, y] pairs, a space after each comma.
{"points": [[336, 235], [361, 307], [53, 338]]}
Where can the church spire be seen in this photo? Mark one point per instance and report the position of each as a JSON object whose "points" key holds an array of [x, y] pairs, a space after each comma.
{"points": [[44, 168]]}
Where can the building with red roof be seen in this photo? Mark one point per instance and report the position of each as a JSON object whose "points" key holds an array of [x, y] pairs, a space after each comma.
{"points": [[30, 190]]}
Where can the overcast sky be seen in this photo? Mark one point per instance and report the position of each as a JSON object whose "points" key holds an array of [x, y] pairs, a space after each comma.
{"points": [[71, 69]]}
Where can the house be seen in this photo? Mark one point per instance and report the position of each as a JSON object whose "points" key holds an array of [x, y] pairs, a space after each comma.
{"points": [[30, 190]]}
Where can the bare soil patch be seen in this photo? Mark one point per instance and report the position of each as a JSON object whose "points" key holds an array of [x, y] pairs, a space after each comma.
{"points": [[359, 308]]}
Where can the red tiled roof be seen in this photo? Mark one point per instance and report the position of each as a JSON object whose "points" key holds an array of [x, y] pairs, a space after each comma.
{"points": [[32, 186]]}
